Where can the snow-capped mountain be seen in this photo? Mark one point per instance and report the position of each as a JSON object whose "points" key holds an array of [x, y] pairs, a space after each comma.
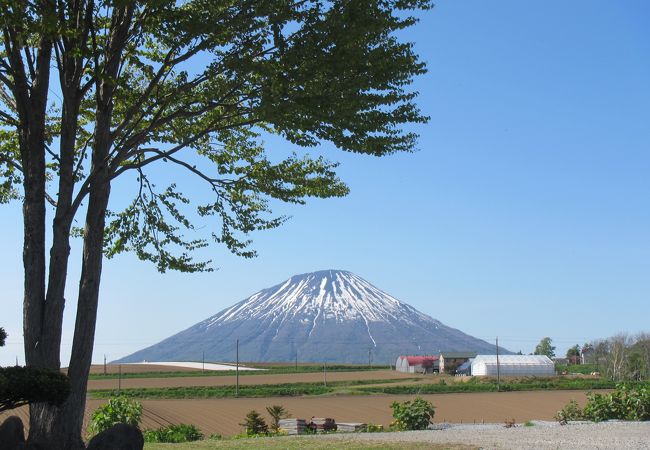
{"points": [[330, 315]]}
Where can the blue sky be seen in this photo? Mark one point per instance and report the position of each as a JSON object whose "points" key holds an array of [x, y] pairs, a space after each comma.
{"points": [[525, 213]]}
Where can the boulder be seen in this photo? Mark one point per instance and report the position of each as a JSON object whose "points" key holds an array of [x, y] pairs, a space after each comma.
{"points": [[118, 437], [12, 434]]}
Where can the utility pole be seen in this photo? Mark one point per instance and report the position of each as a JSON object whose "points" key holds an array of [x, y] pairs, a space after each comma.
{"points": [[203, 363], [498, 368], [237, 370], [296, 360], [104, 364], [119, 379], [325, 374]]}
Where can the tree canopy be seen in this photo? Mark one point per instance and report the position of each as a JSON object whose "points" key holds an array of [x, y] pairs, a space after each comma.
{"points": [[545, 347], [573, 353], [194, 84], [96, 90]]}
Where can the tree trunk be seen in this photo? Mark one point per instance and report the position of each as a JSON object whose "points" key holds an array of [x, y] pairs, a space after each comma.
{"points": [[38, 350], [45, 418], [61, 427], [64, 424]]}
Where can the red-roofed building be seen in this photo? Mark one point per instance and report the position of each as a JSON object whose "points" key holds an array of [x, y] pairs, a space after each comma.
{"points": [[417, 364]]}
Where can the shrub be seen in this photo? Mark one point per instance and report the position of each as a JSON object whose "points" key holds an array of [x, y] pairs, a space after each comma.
{"points": [[174, 434], [215, 437], [22, 385], [412, 415], [254, 424], [570, 412], [625, 403], [277, 413], [373, 428], [117, 410]]}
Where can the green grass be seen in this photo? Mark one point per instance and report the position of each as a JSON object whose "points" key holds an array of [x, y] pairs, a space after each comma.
{"points": [[490, 385], [359, 387], [258, 390], [300, 443], [269, 370], [584, 369]]}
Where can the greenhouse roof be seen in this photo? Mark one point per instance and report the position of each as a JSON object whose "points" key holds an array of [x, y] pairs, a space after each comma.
{"points": [[513, 359]]}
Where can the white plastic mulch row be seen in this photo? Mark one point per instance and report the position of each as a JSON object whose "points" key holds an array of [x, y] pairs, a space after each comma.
{"points": [[195, 365]]}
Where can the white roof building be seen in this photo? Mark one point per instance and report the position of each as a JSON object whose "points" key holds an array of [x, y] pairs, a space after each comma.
{"points": [[513, 365]]}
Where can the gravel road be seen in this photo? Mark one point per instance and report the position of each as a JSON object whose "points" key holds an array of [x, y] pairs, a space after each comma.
{"points": [[543, 436]]}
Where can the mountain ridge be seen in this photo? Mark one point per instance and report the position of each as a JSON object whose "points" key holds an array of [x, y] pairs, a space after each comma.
{"points": [[329, 315]]}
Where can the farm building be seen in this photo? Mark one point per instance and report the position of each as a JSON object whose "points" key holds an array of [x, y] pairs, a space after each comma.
{"points": [[513, 365], [449, 361], [465, 368], [416, 364]]}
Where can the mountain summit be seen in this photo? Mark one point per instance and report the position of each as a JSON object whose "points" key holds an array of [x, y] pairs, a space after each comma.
{"points": [[330, 315]]}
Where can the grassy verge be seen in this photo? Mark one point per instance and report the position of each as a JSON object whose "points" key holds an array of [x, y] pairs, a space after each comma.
{"points": [[257, 390], [490, 385], [360, 387], [584, 369], [268, 370], [299, 443]]}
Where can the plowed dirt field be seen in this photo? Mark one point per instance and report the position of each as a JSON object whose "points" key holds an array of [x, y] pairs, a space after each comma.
{"points": [[226, 380], [223, 416]]}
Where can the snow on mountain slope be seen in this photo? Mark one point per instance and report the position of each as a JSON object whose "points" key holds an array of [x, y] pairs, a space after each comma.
{"points": [[330, 315]]}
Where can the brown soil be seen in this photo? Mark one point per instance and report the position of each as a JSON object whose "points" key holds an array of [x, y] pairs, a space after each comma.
{"points": [[223, 416], [226, 380]]}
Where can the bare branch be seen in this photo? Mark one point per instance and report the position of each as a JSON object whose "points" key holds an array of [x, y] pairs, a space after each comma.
{"points": [[30, 63], [49, 199]]}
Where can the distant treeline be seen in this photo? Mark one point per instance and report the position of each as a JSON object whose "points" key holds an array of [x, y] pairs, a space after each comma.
{"points": [[622, 357]]}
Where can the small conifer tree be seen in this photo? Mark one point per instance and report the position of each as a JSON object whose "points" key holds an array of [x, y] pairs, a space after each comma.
{"points": [[255, 424]]}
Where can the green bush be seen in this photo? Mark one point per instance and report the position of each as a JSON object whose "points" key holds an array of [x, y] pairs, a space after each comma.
{"points": [[277, 413], [254, 424], [117, 410], [625, 403], [373, 428], [174, 434], [571, 411], [412, 415], [23, 385]]}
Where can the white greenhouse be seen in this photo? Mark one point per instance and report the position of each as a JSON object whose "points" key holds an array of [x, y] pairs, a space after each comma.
{"points": [[513, 365]]}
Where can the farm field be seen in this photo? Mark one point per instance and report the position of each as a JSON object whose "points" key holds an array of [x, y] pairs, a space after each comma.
{"points": [[341, 400], [225, 380], [223, 416], [305, 443]]}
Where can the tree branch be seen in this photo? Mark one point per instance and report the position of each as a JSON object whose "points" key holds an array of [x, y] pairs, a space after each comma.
{"points": [[11, 162]]}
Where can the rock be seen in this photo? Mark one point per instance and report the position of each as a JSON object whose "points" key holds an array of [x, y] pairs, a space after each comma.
{"points": [[118, 437], [12, 434]]}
